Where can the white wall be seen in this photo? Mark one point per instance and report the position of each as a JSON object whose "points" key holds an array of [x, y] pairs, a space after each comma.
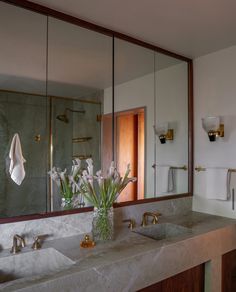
{"points": [[133, 94], [23, 35], [214, 94], [172, 107]]}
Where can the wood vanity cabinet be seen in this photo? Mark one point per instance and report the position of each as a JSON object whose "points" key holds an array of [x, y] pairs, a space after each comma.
{"points": [[229, 271], [191, 280]]}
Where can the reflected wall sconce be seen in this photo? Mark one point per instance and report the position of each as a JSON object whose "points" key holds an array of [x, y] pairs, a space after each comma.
{"points": [[163, 132], [213, 127]]}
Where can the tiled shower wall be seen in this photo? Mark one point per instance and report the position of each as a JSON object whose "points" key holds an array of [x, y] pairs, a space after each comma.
{"points": [[29, 115]]}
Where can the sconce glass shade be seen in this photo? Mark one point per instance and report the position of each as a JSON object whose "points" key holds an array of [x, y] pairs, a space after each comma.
{"points": [[161, 131], [211, 123]]}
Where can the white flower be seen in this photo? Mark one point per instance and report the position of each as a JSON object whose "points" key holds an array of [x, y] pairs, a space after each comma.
{"points": [[99, 178], [117, 178], [72, 184], [90, 180], [76, 161], [62, 175], [127, 170], [111, 170], [116, 174], [90, 166], [74, 170], [85, 175], [98, 190], [55, 175]]}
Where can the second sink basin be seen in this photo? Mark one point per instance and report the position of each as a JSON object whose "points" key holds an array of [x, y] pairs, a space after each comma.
{"points": [[162, 231], [33, 263]]}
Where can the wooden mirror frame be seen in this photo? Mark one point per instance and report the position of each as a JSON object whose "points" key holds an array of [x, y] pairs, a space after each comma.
{"points": [[113, 34]]}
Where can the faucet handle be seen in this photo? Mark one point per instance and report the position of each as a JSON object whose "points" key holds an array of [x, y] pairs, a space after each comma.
{"points": [[131, 223], [37, 243], [21, 240], [156, 217]]}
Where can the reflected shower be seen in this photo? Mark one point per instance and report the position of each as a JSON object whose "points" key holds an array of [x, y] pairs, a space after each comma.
{"points": [[64, 118]]}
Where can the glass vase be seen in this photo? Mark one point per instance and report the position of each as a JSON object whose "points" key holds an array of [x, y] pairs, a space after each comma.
{"points": [[103, 224]]}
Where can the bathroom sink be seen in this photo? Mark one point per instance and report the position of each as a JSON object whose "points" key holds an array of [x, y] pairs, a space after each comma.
{"points": [[33, 263], [162, 231]]}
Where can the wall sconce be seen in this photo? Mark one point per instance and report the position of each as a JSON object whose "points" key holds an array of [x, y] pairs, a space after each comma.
{"points": [[213, 127], [164, 133]]}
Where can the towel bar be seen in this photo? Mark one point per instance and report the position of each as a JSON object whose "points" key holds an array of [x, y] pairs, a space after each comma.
{"points": [[199, 168], [173, 167], [181, 167], [81, 139]]}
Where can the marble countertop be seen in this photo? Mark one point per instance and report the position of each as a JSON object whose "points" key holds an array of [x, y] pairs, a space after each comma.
{"points": [[133, 261]]}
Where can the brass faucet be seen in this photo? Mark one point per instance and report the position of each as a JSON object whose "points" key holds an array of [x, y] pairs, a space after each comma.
{"points": [[15, 247], [131, 223], [150, 214]]}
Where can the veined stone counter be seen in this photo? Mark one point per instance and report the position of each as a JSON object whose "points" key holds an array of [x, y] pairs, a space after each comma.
{"points": [[132, 261]]}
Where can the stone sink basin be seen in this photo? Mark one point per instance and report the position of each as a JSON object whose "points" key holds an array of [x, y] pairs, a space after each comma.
{"points": [[162, 231], [32, 263]]}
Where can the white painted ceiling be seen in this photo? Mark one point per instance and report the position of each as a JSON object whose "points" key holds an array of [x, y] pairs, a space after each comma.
{"points": [[188, 27]]}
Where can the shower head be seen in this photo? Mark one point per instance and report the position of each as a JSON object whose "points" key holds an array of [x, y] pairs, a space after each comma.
{"points": [[63, 118]]}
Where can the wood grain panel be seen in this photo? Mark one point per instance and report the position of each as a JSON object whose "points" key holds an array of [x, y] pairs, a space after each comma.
{"points": [[229, 272], [141, 155], [127, 152], [191, 280]]}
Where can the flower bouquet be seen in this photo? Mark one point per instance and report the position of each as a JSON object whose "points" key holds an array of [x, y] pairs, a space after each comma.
{"points": [[100, 191], [68, 184]]}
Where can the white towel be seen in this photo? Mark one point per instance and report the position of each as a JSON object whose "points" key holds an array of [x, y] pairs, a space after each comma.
{"points": [[164, 179], [217, 183], [17, 170]]}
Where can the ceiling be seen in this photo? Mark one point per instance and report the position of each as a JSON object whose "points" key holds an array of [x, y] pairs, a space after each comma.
{"points": [[189, 27], [79, 61]]}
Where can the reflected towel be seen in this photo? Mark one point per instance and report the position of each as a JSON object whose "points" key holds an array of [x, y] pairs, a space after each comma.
{"points": [[164, 179], [218, 183], [16, 170]]}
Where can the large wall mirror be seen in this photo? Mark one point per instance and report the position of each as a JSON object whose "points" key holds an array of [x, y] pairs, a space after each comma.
{"points": [[74, 92]]}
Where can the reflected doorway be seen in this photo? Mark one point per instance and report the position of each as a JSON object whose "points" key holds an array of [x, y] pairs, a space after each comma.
{"points": [[129, 148]]}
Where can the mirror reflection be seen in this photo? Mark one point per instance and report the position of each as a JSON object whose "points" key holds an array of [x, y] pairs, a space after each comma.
{"points": [[56, 105], [151, 118], [79, 69], [134, 116], [171, 126], [23, 110]]}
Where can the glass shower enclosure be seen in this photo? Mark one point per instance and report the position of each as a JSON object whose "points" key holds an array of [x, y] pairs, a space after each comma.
{"points": [[53, 131]]}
